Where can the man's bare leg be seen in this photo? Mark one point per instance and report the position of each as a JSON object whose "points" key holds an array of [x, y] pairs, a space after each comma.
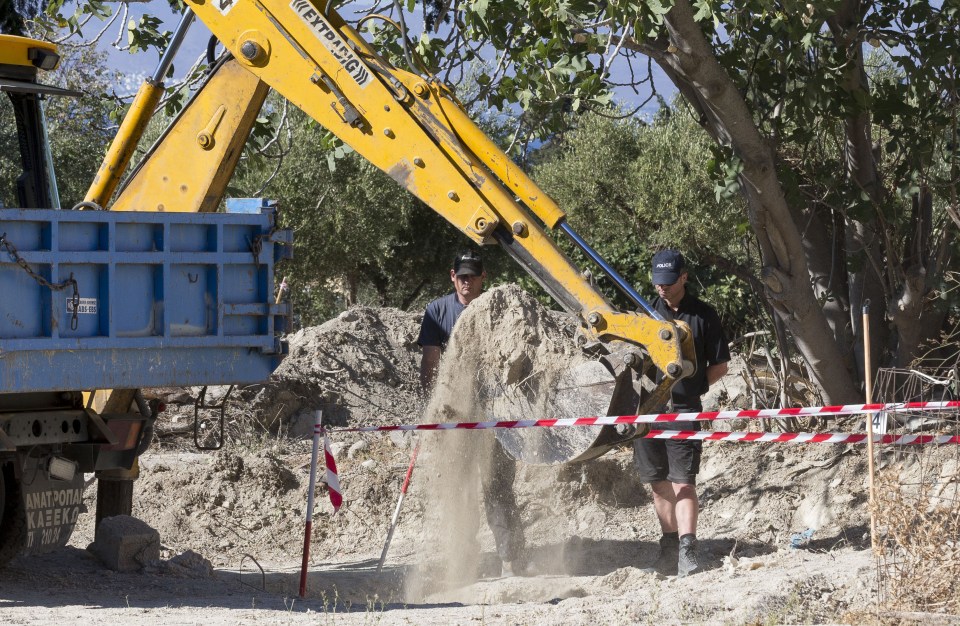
{"points": [[686, 508]]}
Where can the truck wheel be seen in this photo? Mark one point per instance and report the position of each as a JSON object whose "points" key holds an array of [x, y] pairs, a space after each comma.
{"points": [[13, 521]]}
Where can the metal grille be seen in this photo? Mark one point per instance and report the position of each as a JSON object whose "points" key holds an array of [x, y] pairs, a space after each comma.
{"points": [[917, 501]]}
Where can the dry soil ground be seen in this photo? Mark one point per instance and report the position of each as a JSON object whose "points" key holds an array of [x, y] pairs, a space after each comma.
{"points": [[783, 527]]}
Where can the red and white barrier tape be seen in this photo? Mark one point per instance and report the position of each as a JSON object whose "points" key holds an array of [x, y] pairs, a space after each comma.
{"points": [[712, 435], [844, 409], [333, 481]]}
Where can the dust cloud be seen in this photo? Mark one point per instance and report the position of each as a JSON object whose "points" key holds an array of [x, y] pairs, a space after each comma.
{"points": [[505, 357]]}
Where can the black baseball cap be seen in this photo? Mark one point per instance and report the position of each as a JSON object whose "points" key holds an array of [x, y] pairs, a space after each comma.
{"points": [[667, 267], [468, 263]]}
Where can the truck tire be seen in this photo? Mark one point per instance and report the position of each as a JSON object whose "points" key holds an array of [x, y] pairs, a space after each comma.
{"points": [[13, 521]]}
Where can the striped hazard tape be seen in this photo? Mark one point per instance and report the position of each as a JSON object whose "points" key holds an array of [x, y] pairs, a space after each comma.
{"points": [[713, 435], [333, 489], [609, 420]]}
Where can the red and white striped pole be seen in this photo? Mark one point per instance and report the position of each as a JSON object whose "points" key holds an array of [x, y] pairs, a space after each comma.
{"points": [[317, 435]]}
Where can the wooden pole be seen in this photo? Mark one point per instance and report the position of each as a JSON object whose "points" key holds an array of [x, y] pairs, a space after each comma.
{"points": [[868, 387]]}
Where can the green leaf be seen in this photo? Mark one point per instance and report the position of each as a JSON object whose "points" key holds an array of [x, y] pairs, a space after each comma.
{"points": [[704, 10]]}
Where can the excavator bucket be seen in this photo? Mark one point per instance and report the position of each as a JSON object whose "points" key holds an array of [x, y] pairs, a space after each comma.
{"points": [[592, 388]]}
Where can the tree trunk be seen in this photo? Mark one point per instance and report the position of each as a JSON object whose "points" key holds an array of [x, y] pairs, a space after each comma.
{"points": [[413, 295], [863, 237], [865, 286], [824, 245], [690, 63], [917, 322]]}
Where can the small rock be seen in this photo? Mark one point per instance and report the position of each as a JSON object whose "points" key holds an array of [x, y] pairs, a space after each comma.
{"points": [[191, 564], [730, 564], [368, 464], [357, 447], [400, 439]]}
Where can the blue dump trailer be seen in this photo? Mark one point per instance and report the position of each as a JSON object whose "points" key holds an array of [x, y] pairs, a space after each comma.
{"points": [[118, 301]]}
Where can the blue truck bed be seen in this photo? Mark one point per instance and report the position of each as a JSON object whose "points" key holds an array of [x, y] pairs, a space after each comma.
{"points": [[160, 299]]}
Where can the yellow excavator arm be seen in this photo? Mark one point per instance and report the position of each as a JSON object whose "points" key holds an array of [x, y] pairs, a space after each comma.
{"points": [[409, 126]]}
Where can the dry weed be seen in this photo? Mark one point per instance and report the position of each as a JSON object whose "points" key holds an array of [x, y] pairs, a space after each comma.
{"points": [[918, 536]]}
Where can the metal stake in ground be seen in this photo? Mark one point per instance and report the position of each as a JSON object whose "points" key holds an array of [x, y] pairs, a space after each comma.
{"points": [[317, 433], [396, 512]]}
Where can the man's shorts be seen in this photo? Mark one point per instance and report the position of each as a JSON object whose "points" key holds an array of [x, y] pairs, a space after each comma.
{"points": [[675, 460]]}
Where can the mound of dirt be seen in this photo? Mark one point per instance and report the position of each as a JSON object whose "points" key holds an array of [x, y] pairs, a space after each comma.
{"points": [[359, 368]]}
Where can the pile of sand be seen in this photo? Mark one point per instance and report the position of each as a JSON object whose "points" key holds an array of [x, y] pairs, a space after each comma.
{"points": [[359, 368]]}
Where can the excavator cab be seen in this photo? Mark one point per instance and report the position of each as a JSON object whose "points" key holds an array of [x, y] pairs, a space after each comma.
{"points": [[21, 60]]}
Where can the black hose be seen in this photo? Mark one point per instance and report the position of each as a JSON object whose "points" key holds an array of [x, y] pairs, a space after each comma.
{"points": [[150, 416]]}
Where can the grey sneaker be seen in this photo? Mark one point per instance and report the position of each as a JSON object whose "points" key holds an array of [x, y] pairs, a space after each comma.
{"points": [[667, 556], [688, 562]]}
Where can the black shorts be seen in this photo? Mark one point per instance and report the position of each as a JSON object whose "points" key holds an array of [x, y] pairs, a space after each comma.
{"points": [[675, 460]]}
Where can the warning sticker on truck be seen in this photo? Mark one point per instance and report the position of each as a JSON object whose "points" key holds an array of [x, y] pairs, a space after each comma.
{"points": [[86, 306], [333, 42]]}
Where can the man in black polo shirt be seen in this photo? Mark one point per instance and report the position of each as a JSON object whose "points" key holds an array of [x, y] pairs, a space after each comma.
{"points": [[669, 465], [503, 515]]}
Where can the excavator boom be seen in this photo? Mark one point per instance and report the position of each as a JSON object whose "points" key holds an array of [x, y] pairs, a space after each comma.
{"points": [[412, 128]]}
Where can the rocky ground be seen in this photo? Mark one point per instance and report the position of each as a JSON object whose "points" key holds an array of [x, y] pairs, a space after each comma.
{"points": [[784, 528]]}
